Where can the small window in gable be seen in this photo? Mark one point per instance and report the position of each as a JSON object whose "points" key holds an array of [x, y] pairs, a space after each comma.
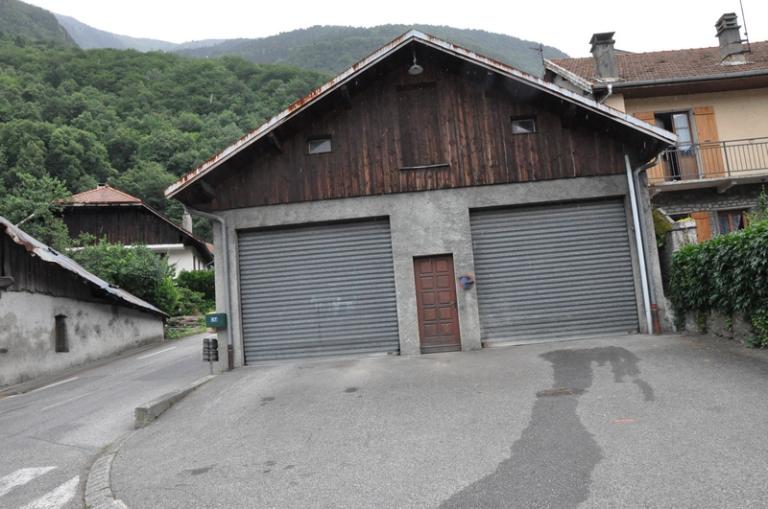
{"points": [[319, 145], [523, 125]]}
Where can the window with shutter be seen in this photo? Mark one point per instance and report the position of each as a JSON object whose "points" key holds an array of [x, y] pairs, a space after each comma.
{"points": [[703, 225], [710, 152]]}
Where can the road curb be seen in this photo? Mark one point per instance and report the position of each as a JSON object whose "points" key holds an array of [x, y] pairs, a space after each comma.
{"points": [[98, 484], [98, 489], [148, 412]]}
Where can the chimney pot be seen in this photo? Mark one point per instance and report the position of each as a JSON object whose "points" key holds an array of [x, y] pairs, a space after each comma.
{"points": [[605, 56], [729, 36]]}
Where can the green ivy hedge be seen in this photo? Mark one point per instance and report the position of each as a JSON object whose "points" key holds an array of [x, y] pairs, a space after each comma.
{"points": [[728, 274]]}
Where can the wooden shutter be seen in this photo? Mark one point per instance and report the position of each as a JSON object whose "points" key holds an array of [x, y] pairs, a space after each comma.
{"points": [[420, 141], [655, 173], [703, 225], [711, 155]]}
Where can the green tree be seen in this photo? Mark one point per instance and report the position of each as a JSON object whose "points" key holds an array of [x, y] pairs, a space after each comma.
{"points": [[199, 281], [135, 269], [147, 181], [35, 204], [31, 159]]}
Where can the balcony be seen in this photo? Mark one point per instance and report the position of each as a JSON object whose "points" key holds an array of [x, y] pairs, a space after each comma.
{"points": [[719, 164]]}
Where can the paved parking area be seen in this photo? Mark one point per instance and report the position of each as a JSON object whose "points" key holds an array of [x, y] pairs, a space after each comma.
{"points": [[626, 421]]}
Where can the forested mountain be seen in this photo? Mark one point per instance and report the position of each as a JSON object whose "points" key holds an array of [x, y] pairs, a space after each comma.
{"points": [[331, 49], [88, 37], [136, 120], [327, 49], [31, 23], [72, 118]]}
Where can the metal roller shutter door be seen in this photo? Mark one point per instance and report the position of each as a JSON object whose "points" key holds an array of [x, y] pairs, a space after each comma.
{"points": [[318, 290], [554, 271]]}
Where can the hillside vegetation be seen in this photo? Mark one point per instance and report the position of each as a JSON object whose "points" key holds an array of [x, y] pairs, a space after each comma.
{"points": [[136, 120], [331, 49], [88, 37], [32, 23]]}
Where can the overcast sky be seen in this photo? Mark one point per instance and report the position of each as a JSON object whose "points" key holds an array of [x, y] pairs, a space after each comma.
{"points": [[640, 25]]}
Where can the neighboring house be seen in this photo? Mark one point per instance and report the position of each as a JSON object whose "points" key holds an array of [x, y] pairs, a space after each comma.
{"points": [[714, 99], [120, 217], [55, 315], [357, 219]]}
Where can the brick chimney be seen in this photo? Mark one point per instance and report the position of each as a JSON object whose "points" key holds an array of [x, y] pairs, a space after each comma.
{"points": [[605, 56], [731, 48]]}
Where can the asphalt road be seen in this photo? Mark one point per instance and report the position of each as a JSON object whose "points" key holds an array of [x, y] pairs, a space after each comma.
{"points": [[631, 421], [50, 435]]}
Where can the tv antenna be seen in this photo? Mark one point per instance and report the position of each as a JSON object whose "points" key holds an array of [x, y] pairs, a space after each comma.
{"points": [[539, 48], [744, 20]]}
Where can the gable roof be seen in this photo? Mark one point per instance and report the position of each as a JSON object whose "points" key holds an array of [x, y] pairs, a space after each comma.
{"points": [[47, 254], [697, 63], [381, 54], [104, 193], [105, 196]]}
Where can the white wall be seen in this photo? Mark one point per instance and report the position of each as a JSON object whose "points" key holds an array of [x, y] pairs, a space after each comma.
{"points": [[180, 256], [94, 331]]}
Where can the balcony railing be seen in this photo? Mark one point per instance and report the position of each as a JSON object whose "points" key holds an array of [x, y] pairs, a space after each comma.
{"points": [[719, 159]]}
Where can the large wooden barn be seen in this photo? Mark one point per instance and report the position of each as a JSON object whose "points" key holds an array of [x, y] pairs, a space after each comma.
{"points": [[430, 199]]}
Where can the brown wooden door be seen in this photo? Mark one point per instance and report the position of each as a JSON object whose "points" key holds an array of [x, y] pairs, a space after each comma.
{"points": [[436, 302]]}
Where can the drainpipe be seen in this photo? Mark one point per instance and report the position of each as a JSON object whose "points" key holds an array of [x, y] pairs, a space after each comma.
{"points": [[609, 94], [644, 279], [225, 261]]}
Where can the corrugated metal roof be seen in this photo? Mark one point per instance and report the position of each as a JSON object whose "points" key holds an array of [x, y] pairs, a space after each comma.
{"points": [[383, 52], [47, 254]]}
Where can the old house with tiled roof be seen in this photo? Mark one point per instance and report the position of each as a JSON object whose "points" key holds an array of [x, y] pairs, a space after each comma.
{"points": [[716, 101], [108, 212]]}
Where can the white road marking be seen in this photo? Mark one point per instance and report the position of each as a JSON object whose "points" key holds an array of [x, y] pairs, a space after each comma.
{"points": [[148, 355], [66, 401], [56, 498], [60, 382], [21, 477]]}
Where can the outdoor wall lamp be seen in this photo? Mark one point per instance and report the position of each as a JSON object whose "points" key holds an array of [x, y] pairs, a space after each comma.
{"points": [[415, 69]]}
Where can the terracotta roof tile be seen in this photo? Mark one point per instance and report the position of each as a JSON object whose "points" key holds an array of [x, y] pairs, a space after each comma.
{"points": [[103, 194], [660, 65]]}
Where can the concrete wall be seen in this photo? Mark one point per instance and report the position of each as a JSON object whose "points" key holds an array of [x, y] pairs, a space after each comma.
{"points": [[94, 331], [735, 327], [425, 223], [739, 114], [708, 199]]}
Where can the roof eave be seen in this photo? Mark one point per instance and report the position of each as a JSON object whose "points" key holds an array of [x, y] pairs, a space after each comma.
{"points": [[683, 79]]}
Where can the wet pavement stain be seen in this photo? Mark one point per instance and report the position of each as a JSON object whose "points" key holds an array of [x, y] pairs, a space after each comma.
{"points": [[199, 471], [267, 399], [552, 462], [350, 389]]}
